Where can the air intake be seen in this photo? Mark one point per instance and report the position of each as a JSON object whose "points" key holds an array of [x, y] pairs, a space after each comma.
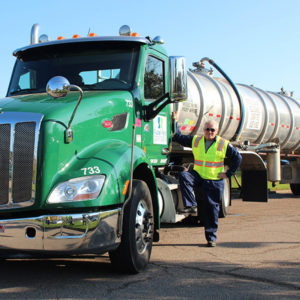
{"points": [[19, 134]]}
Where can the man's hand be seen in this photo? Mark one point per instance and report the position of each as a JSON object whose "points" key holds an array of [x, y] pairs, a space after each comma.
{"points": [[222, 175], [175, 116]]}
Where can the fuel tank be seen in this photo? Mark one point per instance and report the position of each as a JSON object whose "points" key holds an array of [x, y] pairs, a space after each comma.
{"points": [[263, 116]]}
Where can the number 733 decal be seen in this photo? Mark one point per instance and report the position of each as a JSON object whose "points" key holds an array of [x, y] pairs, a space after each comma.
{"points": [[91, 170]]}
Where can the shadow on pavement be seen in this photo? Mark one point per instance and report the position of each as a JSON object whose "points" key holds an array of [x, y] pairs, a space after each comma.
{"points": [[283, 194], [239, 245], [93, 279]]}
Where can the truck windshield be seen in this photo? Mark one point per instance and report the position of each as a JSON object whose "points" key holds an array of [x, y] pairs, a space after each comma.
{"points": [[92, 66]]}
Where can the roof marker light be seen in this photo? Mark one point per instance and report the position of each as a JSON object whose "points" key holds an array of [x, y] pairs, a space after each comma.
{"points": [[75, 36], [92, 34], [135, 34], [60, 38]]}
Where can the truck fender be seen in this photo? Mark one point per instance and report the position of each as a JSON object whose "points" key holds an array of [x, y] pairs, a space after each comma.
{"points": [[110, 157]]}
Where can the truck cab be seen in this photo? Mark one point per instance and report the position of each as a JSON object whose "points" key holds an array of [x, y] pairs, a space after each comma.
{"points": [[84, 124]]}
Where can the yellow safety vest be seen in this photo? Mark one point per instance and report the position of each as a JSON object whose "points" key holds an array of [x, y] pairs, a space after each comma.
{"points": [[209, 164]]}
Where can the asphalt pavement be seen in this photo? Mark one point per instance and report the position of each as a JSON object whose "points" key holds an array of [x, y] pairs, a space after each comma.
{"points": [[257, 257]]}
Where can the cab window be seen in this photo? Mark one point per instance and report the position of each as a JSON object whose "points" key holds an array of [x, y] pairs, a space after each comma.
{"points": [[154, 84]]}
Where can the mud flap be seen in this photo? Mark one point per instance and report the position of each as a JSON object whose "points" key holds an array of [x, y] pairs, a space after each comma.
{"points": [[254, 178], [254, 186], [168, 210]]}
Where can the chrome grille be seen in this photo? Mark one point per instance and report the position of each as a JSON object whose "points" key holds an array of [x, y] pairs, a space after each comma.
{"points": [[18, 158], [23, 161], [4, 162]]}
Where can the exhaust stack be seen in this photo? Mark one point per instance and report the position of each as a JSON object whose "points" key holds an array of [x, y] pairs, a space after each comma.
{"points": [[34, 38]]}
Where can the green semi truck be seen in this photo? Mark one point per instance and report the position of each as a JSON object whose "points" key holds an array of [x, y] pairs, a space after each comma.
{"points": [[79, 149], [87, 163]]}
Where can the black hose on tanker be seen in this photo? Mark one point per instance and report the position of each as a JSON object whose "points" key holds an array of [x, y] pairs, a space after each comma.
{"points": [[242, 109]]}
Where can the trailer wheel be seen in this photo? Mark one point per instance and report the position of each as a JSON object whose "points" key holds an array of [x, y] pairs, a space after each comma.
{"points": [[134, 252], [226, 200], [295, 188]]}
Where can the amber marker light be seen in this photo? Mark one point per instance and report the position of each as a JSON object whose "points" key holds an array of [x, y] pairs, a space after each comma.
{"points": [[135, 34], [125, 187], [92, 34], [76, 36], [60, 38]]}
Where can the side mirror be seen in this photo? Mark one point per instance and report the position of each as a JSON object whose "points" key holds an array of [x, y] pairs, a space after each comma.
{"points": [[178, 79], [58, 87]]}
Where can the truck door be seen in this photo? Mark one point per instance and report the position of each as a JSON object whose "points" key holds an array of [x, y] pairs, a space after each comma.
{"points": [[156, 133]]}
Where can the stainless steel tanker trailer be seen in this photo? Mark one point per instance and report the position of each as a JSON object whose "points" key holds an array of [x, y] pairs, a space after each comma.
{"points": [[263, 126]]}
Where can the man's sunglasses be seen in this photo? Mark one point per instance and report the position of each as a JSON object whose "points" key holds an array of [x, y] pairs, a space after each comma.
{"points": [[210, 129]]}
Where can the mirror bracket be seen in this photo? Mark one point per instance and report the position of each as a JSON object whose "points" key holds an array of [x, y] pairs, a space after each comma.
{"points": [[151, 110]]}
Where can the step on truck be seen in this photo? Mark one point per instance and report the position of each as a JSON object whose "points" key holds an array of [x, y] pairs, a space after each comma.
{"points": [[87, 159]]}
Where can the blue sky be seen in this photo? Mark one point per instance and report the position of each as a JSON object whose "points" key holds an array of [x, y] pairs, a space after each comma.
{"points": [[254, 41]]}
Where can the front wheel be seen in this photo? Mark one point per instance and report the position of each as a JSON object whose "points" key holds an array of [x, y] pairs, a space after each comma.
{"points": [[225, 201], [134, 252]]}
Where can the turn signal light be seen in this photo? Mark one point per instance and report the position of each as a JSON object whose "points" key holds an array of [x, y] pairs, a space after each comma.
{"points": [[125, 188]]}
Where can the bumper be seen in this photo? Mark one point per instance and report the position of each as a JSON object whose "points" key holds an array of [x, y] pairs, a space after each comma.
{"points": [[69, 233]]}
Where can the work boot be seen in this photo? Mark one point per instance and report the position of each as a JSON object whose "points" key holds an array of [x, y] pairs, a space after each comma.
{"points": [[211, 244]]}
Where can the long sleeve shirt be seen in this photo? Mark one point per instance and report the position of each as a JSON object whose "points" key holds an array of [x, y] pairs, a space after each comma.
{"points": [[231, 153]]}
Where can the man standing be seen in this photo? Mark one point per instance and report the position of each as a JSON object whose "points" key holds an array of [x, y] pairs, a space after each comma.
{"points": [[209, 153]]}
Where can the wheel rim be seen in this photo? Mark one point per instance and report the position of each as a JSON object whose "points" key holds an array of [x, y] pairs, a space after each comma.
{"points": [[143, 227]]}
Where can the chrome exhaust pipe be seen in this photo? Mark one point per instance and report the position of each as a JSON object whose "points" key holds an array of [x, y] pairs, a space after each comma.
{"points": [[34, 39]]}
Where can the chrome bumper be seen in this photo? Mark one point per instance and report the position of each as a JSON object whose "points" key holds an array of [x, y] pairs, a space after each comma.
{"points": [[71, 233]]}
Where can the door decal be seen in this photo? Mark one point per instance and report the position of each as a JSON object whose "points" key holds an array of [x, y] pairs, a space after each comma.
{"points": [[160, 130]]}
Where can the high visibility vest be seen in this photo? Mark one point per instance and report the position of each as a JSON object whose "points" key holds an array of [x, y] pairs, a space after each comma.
{"points": [[209, 164]]}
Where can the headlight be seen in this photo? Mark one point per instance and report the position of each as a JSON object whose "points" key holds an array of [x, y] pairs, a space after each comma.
{"points": [[78, 189]]}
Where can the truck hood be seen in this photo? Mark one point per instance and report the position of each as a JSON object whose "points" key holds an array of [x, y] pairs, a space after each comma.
{"points": [[59, 108]]}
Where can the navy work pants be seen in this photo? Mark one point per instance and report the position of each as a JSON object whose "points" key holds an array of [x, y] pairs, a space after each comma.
{"points": [[212, 190]]}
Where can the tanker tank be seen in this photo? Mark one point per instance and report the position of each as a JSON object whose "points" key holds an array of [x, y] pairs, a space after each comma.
{"points": [[260, 117]]}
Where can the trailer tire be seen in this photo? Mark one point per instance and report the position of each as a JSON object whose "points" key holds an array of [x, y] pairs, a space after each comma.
{"points": [[295, 188], [226, 199], [133, 254]]}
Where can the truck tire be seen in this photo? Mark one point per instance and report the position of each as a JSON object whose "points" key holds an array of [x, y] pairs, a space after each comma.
{"points": [[226, 200], [133, 254], [295, 188]]}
